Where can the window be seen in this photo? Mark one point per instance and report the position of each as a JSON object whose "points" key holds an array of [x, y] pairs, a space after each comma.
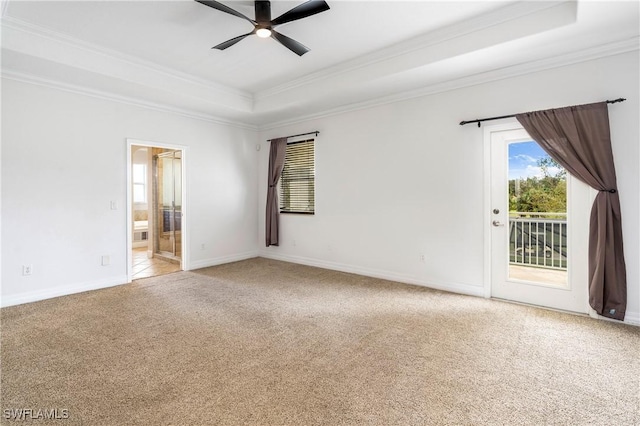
{"points": [[297, 183], [139, 183]]}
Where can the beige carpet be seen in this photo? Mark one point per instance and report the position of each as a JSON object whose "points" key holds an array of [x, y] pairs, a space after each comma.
{"points": [[262, 342]]}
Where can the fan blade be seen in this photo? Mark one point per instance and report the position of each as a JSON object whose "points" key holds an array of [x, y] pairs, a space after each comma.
{"points": [[221, 7], [297, 48], [231, 42], [301, 11]]}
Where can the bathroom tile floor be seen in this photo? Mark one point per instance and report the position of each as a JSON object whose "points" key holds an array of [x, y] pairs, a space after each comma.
{"points": [[143, 267]]}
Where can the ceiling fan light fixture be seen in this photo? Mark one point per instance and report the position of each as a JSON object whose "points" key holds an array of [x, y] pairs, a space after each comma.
{"points": [[263, 24], [263, 32]]}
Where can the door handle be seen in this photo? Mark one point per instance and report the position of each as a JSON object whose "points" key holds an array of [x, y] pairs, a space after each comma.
{"points": [[497, 223]]}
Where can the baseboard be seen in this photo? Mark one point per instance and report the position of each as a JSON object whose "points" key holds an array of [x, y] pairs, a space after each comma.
{"points": [[35, 296], [632, 318], [222, 260], [374, 273]]}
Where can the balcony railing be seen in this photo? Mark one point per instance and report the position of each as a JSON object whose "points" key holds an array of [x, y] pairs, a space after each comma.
{"points": [[538, 239]]}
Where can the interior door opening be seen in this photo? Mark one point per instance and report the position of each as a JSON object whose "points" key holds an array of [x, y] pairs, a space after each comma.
{"points": [[156, 211]]}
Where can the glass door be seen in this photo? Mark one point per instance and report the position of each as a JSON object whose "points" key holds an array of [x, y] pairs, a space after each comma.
{"points": [[168, 204], [539, 218]]}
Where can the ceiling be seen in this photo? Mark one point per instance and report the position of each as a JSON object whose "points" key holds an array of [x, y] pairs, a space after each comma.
{"points": [[158, 53]]}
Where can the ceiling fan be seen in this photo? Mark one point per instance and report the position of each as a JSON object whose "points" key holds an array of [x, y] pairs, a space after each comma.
{"points": [[263, 24]]}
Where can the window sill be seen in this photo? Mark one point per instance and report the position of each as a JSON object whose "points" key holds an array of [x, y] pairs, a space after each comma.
{"points": [[292, 212]]}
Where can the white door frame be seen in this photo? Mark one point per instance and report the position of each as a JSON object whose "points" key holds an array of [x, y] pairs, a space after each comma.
{"points": [[488, 264], [185, 201], [581, 275]]}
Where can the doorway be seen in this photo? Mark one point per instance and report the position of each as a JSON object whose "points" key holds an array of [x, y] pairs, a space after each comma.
{"points": [[155, 209], [537, 224]]}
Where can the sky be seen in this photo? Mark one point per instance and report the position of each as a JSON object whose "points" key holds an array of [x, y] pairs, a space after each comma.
{"points": [[523, 160]]}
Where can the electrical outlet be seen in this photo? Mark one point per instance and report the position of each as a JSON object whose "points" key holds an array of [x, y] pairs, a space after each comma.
{"points": [[422, 258], [105, 260], [27, 270], [202, 246]]}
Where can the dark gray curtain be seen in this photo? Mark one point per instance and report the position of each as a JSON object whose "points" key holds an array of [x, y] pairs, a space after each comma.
{"points": [[578, 138], [276, 163]]}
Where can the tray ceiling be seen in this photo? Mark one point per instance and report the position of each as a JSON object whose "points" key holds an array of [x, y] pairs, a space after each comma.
{"points": [[159, 52]]}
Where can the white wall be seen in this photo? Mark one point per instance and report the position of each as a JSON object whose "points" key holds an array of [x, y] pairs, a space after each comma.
{"points": [[64, 161], [393, 182], [402, 179]]}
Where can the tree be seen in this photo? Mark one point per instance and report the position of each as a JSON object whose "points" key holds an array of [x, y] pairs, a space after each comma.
{"points": [[540, 194], [547, 162]]}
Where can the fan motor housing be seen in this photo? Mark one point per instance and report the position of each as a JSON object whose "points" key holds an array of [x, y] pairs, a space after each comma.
{"points": [[263, 12]]}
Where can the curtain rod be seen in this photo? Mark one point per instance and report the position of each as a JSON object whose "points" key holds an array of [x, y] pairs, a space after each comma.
{"points": [[462, 123], [301, 134]]}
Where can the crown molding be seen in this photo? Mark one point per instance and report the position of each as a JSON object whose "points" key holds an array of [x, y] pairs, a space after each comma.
{"points": [[251, 119], [484, 21], [112, 97], [407, 47], [57, 37], [611, 49], [593, 53]]}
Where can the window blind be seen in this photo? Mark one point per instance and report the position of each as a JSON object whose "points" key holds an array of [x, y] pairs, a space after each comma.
{"points": [[297, 182]]}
